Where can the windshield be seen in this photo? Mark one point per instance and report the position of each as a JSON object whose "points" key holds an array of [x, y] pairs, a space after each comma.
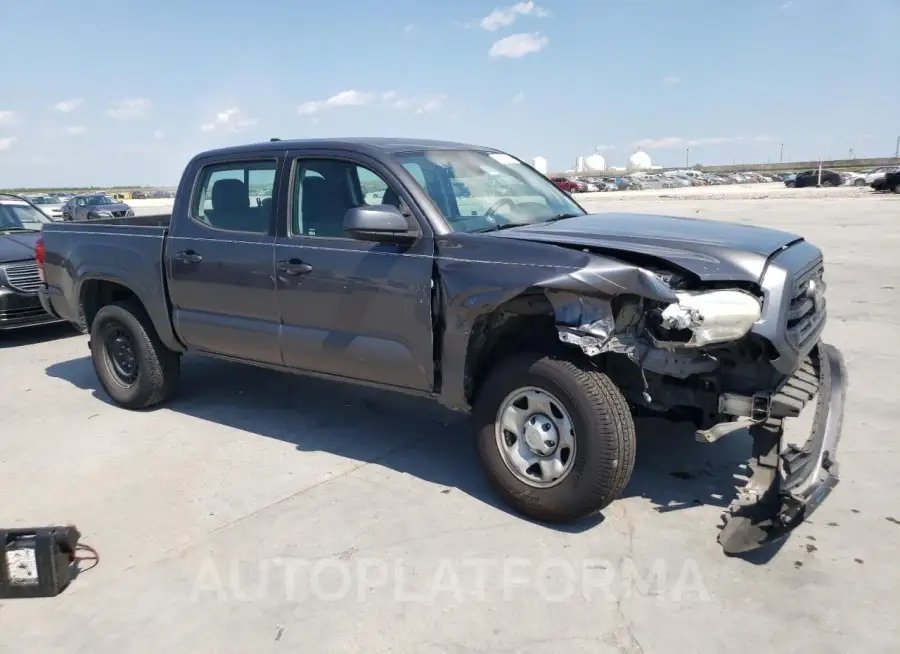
{"points": [[96, 200], [480, 191], [17, 215], [44, 199]]}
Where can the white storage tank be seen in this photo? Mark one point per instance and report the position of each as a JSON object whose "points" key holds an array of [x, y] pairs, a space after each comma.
{"points": [[595, 163], [579, 165], [640, 160], [540, 165]]}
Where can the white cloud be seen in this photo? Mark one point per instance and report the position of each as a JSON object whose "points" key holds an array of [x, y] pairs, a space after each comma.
{"points": [[384, 99], [671, 80], [8, 117], [68, 106], [786, 5], [7, 143], [130, 109], [158, 135], [75, 130], [408, 28], [518, 98], [518, 45], [228, 120], [506, 16], [343, 99], [680, 142], [603, 148]]}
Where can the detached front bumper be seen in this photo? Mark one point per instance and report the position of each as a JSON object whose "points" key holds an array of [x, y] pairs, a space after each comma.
{"points": [[787, 485]]}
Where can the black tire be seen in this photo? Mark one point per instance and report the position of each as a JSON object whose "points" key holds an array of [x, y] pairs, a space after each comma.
{"points": [[157, 369], [827, 183], [859, 182], [604, 434], [790, 184], [896, 189]]}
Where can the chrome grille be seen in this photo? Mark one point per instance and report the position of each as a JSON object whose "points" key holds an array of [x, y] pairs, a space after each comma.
{"points": [[807, 308], [23, 277]]}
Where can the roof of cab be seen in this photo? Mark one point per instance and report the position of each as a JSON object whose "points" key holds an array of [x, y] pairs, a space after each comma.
{"points": [[367, 144]]}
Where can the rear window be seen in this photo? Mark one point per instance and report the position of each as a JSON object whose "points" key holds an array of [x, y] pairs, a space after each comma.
{"points": [[236, 196]]}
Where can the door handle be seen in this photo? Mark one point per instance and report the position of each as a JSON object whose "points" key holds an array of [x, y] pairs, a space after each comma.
{"points": [[188, 256], [294, 267]]}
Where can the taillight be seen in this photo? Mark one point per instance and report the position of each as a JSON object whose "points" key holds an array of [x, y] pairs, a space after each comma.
{"points": [[39, 253]]}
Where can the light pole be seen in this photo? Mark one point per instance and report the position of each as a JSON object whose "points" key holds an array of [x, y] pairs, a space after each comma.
{"points": [[851, 153], [781, 154], [897, 151], [687, 158]]}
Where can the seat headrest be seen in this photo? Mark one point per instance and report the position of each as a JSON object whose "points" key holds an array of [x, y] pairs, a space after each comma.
{"points": [[230, 195]]}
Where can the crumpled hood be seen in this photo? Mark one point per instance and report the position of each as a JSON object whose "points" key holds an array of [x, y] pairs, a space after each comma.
{"points": [[17, 247], [711, 250]]}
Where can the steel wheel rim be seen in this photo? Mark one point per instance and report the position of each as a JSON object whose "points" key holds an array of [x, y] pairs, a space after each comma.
{"points": [[535, 437], [119, 355]]}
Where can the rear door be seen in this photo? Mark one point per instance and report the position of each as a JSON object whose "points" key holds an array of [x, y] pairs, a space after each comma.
{"points": [[352, 308], [219, 259]]}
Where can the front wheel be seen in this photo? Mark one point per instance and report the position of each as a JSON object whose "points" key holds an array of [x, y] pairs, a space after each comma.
{"points": [[827, 183], [556, 437], [859, 182], [896, 188], [134, 367]]}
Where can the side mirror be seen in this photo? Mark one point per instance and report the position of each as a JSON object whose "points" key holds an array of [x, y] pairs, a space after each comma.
{"points": [[382, 223]]}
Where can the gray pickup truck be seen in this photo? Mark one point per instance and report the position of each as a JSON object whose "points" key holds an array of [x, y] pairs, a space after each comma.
{"points": [[359, 260]]}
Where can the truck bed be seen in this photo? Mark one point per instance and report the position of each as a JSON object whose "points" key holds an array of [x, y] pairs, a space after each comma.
{"points": [[127, 251]]}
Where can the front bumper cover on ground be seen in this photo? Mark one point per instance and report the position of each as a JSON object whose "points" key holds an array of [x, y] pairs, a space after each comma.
{"points": [[787, 485]]}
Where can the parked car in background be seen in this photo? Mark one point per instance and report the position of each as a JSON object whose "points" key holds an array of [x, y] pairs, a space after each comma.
{"points": [[852, 179], [50, 205], [890, 182], [569, 185], [790, 179], [94, 207], [20, 227], [877, 174], [811, 178]]}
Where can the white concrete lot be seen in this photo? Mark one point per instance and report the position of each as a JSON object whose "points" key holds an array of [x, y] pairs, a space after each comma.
{"points": [[204, 509]]}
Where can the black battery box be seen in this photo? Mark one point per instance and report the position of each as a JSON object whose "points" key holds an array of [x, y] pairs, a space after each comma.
{"points": [[36, 562]]}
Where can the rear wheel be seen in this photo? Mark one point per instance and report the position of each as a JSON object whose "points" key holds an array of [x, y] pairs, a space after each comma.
{"points": [[135, 369], [896, 188], [859, 182], [827, 183], [556, 437]]}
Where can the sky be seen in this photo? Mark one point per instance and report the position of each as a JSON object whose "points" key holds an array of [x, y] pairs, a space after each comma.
{"points": [[107, 92]]}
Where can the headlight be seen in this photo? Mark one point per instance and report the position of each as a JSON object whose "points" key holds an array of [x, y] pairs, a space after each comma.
{"points": [[130, 212], [103, 214], [713, 316]]}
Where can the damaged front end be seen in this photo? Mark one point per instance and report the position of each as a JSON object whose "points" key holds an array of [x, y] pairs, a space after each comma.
{"points": [[690, 352]]}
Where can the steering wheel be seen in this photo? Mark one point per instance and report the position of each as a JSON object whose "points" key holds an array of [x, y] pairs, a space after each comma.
{"points": [[489, 214]]}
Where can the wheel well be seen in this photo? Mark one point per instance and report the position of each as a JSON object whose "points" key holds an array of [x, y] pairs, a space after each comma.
{"points": [[96, 294], [525, 323]]}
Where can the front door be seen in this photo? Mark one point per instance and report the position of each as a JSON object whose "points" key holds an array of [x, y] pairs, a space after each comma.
{"points": [[352, 308], [219, 256]]}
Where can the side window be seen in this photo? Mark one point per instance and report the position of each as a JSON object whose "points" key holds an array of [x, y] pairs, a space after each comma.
{"points": [[324, 189], [416, 171], [373, 187], [236, 196]]}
